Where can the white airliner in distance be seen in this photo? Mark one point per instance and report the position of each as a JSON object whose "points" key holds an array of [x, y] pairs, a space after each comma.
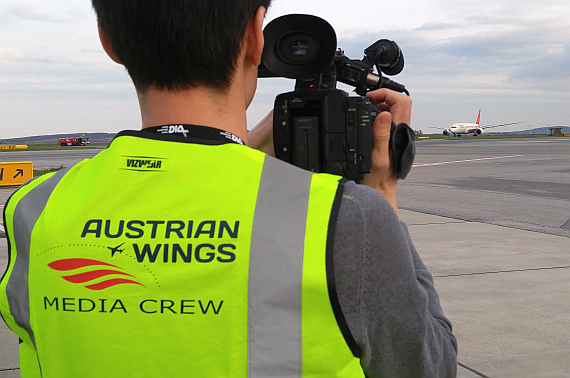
{"points": [[457, 129]]}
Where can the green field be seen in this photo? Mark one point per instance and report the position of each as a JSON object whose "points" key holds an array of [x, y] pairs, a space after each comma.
{"points": [[39, 172]]}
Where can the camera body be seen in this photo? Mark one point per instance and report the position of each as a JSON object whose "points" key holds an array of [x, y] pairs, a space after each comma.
{"points": [[317, 126], [324, 131]]}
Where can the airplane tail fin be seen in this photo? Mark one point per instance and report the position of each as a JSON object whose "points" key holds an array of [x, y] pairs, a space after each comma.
{"points": [[479, 117]]}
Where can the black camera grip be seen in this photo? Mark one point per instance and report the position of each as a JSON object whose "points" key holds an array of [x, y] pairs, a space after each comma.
{"points": [[403, 149]]}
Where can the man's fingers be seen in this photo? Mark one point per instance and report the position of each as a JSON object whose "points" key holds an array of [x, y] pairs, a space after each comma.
{"points": [[384, 95], [383, 107], [398, 104], [381, 142], [381, 128]]}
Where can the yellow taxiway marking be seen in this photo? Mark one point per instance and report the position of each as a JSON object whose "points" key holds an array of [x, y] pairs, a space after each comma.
{"points": [[13, 146]]}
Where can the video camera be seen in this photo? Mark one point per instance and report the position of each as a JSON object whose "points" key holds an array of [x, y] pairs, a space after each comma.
{"points": [[318, 127]]}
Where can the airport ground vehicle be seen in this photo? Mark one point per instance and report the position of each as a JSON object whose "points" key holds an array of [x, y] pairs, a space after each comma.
{"points": [[80, 141]]}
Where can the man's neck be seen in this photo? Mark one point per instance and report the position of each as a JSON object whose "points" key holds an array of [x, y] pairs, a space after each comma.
{"points": [[196, 106]]}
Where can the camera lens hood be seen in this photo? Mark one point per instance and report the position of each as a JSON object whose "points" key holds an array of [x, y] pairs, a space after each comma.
{"points": [[298, 46]]}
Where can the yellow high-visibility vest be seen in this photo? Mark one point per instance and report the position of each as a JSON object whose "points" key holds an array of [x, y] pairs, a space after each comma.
{"points": [[167, 259]]}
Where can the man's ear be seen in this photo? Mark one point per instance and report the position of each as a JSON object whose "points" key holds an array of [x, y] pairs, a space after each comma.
{"points": [[254, 36], [107, 45]]}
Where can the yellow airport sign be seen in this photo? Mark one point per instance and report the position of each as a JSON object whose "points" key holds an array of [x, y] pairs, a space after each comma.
{"points": [[15, 173], [13, 146]]}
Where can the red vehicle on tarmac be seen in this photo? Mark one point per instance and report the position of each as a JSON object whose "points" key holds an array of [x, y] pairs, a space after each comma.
{"points": [[80, 141]]}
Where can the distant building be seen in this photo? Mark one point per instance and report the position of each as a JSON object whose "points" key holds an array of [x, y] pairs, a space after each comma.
{"points": [[419, 132], [555, 131]]}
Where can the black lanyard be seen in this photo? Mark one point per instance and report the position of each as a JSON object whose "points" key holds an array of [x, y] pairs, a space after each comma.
{"points": [[183, 132]]}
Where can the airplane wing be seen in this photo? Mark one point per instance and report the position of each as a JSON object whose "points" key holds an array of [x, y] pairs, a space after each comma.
{"points": [[472, 130], [502, 124]]}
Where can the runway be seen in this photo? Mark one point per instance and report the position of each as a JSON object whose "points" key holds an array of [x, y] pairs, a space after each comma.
{"points": [[491, 220], [518, 183]]}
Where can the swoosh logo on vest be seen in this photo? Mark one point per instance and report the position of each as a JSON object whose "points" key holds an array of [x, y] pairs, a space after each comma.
{"points": [[96, 271]]}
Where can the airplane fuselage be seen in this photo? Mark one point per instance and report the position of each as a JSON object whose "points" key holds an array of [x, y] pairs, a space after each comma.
{"points": [[464, 128]]}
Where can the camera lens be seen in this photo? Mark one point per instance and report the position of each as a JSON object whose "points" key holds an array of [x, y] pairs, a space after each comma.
{"points": [[299, 49], [298, 46]]}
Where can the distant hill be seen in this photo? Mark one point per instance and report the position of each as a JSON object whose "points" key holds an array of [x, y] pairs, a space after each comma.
{"points": [[52, 139]]}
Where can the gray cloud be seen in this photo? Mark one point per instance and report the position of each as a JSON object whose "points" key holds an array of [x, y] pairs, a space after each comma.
{"points": [[436, 26], [31, 12], [523, 52], [36, 78]]}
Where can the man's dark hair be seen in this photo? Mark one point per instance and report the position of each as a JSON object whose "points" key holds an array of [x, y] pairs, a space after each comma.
{"points": [[177, 44]]}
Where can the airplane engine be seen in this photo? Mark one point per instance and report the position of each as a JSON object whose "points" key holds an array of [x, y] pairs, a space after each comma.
{"points": [[445, 132], [477, 132]]}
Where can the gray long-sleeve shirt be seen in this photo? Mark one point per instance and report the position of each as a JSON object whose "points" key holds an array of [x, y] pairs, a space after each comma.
{"points": [[387, 294]]}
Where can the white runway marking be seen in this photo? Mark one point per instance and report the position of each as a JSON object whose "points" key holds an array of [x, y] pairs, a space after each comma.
{"points": [[465, 161]]}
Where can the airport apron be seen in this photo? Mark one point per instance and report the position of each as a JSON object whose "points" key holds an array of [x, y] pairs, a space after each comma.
{"points": [[164, 258]]}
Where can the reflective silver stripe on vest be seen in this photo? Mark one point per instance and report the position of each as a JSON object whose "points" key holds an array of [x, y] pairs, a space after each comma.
{"points": [[26, 214], [276, 270]]}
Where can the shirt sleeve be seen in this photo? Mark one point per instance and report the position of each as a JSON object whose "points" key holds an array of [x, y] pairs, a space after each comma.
{"points": [[387, 294]]}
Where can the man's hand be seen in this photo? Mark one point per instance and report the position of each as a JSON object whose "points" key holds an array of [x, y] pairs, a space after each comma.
{"points": [[395, 107], [261, 136]]}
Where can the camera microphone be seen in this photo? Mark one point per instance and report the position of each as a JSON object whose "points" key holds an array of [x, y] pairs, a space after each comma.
{"points": [[377, 81], [387, 56], [391, 84]]}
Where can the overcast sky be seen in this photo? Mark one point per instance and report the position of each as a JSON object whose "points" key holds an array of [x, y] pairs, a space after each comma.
{"points": [[509, 58]]}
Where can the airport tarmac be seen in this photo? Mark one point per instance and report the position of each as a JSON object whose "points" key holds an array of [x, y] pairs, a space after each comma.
{"points": [[66, 156], [491, 220]]}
